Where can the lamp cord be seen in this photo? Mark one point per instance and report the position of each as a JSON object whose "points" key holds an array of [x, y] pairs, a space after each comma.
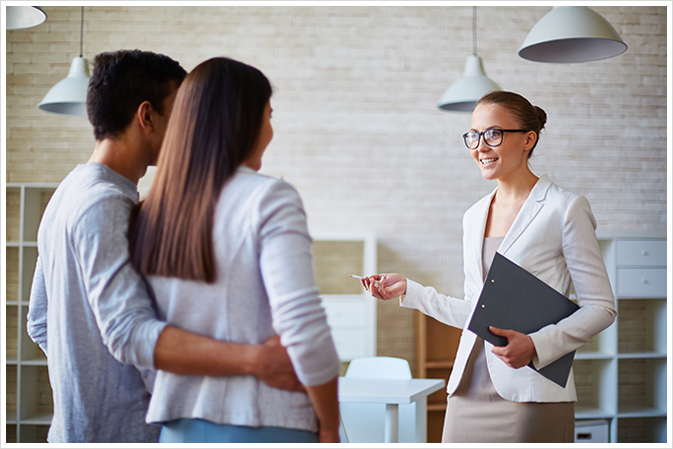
{"points": [[474, 30], [81, 33]]}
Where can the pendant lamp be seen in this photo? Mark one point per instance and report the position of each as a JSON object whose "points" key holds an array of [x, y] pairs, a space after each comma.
{"points": [[68, 96], [569, 34], [19, 17], [463, 94]]}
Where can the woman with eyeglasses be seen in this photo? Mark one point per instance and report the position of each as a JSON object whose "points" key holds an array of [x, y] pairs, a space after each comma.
{"points": [[550, 232]]}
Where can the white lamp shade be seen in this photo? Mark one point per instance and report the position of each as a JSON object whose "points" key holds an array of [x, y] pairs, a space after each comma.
{"points": [[569, 34], [68, 96], [18, 17], [468, 89]]}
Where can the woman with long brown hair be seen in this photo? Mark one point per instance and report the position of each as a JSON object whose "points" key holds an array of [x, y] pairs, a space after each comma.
{"points": [[227, 253]]}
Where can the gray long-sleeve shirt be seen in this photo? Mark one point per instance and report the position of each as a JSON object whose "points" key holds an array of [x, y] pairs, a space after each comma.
{"points": [[264, 285], [86, 299]]}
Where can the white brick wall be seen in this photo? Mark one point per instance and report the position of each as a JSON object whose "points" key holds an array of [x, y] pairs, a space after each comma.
{"points": [[357, 129]]}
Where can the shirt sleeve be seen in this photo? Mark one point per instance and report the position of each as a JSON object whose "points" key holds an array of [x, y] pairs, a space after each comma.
{"points": [[119, 298], [287, 270], [37, 309], [592, 286]]}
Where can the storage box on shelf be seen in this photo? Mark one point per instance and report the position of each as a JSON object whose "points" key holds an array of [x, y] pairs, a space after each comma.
{"points": [[351, 311], [29, 406], [592, 431], [621, 374]]}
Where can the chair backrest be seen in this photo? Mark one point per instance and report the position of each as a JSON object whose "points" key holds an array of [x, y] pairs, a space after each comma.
{"points": [[364, 423], [378, 368]]}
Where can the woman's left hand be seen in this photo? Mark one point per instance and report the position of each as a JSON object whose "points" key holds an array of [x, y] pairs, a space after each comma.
{"points": [[519, 351]]}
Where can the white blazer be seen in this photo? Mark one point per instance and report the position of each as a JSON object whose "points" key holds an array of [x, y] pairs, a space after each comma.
{"points": [[552, 237]]}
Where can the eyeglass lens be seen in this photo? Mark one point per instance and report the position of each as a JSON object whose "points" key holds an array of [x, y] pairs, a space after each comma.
{"points": [[492, 137]]}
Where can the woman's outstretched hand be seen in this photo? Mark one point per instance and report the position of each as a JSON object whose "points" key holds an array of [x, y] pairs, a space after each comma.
{"points": [[519, 351], [385, 286]]}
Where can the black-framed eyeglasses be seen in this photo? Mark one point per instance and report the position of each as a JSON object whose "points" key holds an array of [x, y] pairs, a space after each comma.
{"points": [[492, 137]]}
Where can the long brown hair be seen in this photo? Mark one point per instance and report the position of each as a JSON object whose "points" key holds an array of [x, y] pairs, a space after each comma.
{"points": [[530, 117], [216, 120]]}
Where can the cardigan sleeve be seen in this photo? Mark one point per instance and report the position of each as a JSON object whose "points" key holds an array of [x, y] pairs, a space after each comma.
{"points": [[287, 269]]}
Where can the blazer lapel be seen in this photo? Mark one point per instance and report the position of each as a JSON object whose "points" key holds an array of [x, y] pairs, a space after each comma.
{"points": [[531, 207], [481, 229]]}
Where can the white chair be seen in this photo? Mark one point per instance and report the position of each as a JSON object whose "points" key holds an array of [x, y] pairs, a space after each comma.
{"points": [[364, 423]]}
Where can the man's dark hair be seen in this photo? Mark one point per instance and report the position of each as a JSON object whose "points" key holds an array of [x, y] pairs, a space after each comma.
{"points": [[121, 81]]}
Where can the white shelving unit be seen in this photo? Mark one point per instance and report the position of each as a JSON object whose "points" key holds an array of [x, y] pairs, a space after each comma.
{"points": [[29, 402], [621, 375], [351, 311]]}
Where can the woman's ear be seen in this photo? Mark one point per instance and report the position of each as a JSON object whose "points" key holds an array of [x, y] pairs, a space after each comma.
{"points": [[529, 142]]}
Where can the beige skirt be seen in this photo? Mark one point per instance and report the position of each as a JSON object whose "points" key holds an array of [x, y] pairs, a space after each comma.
{"points": [[476, 413]]}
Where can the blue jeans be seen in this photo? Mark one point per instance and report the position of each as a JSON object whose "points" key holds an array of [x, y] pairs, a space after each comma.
{"points": [[200, 431]]}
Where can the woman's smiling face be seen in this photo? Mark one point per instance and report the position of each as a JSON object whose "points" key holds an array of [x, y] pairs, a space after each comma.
{"points": [[511, 156]]}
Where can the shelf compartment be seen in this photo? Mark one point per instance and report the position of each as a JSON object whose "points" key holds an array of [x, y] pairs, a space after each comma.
{"points": [[28, 269], [35, 202], [36, 405], [13, 214], [641, 430], [10, 430], [642, 327], [601, 346], [441, 349], [12, 333], [11, 386], [437, 400], [30, 351], [12, 273], [642, 387], [333, 261], [595, 383], [34, 433], [435, 424]]}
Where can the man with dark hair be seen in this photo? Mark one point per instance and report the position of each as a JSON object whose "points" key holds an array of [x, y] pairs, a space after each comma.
{"points": [[89, 310]]}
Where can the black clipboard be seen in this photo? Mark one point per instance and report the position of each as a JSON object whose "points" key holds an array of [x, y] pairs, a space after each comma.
{"points": [[513, 298]]}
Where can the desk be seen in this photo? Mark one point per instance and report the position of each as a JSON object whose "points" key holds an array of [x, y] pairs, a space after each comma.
{"points": [[391, 392]]}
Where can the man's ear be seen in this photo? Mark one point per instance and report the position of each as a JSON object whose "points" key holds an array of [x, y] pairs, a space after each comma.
{"points": [[144, 114]]}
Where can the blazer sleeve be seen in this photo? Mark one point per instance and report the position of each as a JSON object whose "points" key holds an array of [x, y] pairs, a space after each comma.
{"points": [[443, 308], [592, 287]]}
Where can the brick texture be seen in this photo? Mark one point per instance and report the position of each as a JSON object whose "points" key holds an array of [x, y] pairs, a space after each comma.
{"points": [[357, 128]]}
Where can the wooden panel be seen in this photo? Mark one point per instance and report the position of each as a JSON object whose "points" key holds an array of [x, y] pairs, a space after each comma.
{"points": [[435, 425], [333, 261], [442, 341]]}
